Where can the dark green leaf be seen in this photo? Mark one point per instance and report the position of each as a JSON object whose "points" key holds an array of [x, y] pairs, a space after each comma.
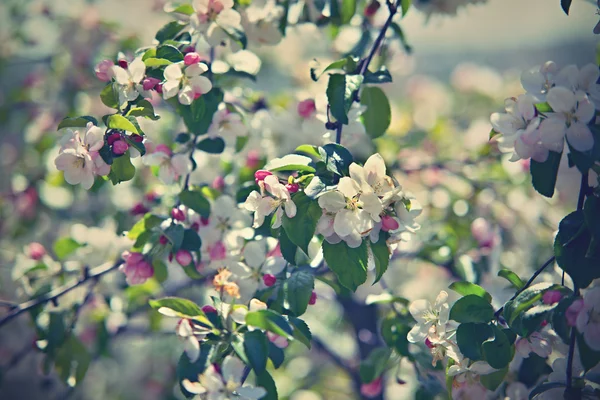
{"points": [[525, 300], [543, 175], [400, 35], [109, 96], [169, 52], [175, 233], [190, 370], [381, 256], [466, 288], [191, 241], [256, 347], [472, 308], [270, 321], [301, 228], [301, 331], [169, 31], [139, 146], [63, 247], [148, 222], [378, 115], [498, 351], [340, 94], [195, 200], [589, 358], [77, 122], [374, 365], [512, 278], [276, 355], [212, 145], [470, 336], [72, 361], [264, 380], [378, 77], [350, 265], [161, 273], [288, 249], [394, 334], [565, 5], [298, 289], [559, 320], [337, 158]]}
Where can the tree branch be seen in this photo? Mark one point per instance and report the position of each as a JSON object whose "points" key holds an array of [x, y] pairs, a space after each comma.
{"points": [[58, 292]]}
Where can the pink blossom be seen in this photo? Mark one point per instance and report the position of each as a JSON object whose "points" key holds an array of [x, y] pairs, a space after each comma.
{"points": [[269, 280], [149, 83], [209, 309], [573, 312], [163, 148], [389, 223], [113, 138], [482, 232], [372, 389], [138, 209], [261, 174], [307, 108], [136, 269], [36, 251], [218, 183], [177, 214], [104, 70], [551, 297], [120, 147], [183, 257], [276, 252], [191, 58], [313, 298]]}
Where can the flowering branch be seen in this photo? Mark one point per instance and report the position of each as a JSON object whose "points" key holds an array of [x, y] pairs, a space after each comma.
{"points": [[53, 295]]}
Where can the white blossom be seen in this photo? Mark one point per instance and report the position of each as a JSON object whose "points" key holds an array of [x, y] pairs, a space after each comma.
{"points": [[427, 316], [188, 85], [277, 200], [130, 80], [588, 319], [171, 167]]}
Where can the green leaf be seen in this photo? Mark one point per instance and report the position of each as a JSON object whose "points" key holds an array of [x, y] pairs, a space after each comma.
{"points": [[350, 265], [161, 273], [139, 146], [301, 331], [470, 336], [185, 9], [211, 145], [381, 256], [341, 90], [256, 347], [494, 380], [337, 158], [348, 10], [143, 108], [571, 247], [472, 308], [301, 228], [378, 77], [526, 299], [169, 52], [466, 288], [169, 31], [191, 241], [153, 62], [122, 169], [584, 160], [72, 361], [374, 365], [148, 222], [190, 370], [394, 334], [109, 96], [270, 321], [298, 289], [264, 380], [276, 355], [498, 352], [65, 246], [121, 123], [77, 122], [183, 307], [559, 320], [405, 5], [512, 278], [175, 234], [198, 115], [347, 64], [543, 175], [195, 200], [399, 33], [290, 162], [378, 115], [288, 248], [543, 107], [565, 5], [308, 149]]}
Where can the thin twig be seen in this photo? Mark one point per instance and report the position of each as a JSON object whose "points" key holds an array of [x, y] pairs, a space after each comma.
{"points": [[58, 292]]}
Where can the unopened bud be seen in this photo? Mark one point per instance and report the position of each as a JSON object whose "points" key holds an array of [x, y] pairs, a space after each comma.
{"points": [[191, 58], [261, 174], [313, 298], [120, 147], [292, 187], [183, 257], [177, 214], [269, 280]]}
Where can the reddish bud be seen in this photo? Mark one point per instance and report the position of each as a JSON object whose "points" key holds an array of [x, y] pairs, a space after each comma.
{"points": [[36, 251], [389, 223], [163, 240], [371, 389], [136, 138], [158, 88], [120, 147], [183, 257], [218, 183], [150, 196], [163, 148], [139, 209], [123, 64], [269, 280], [551, 297], [195, 226], [149, 83], [207, 309], [261, 174], [428, 343], [253, 159], [292, 187], [189, 49], [313, 298], [306, 108], [371, 8], [113, 138], [544, 323], [191, 58], [204, 221], [197, 95], [177, 214]]}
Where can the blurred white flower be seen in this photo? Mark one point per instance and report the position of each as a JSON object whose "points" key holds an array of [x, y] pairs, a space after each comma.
{"points": [[171, 167], [588, 320]]}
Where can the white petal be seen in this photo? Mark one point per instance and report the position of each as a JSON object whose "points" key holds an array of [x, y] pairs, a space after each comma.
{"points": [[193, 387], [417, 308], [255, 254], [173, 73], [332, 201], [233, 369], [580, 137], [121, 76], [481, 368], [344, 223], [348, 187], [137, 69], [195, 70], [561, 99]]}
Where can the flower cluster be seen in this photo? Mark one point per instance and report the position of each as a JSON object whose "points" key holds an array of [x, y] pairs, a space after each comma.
{"points": [[366, 203], [274, 198], [558, 105]]}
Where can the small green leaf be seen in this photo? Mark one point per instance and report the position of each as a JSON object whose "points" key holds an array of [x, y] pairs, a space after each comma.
{"points": [[470, 336], [543, 175], [185, 9], [511, 277], [169, 52], [526, 299], [381, 256], [378, 77], [290, 162], [169, 31], [212, 145], [175, 234], [565, 5], [276, 355], [161, 273], [375, 364], [341, 90], [264, 380], [153, 62], [191, 240], [143, 108], [466, 288], [195, 200], [543, 107], [337, 158], [270, 321], [148, 222], [301, 228], [378, 115], [288, 248], [498, 351], [121, 123], [65, 246], [471, 308], [405, 5], [301, 331], [77, 122], [256, 347], [309, 150], [395, 333], [109, 96], [122, 169], [183, 307], [348, 10], [298, 289], [589, 358], [349, 264]]}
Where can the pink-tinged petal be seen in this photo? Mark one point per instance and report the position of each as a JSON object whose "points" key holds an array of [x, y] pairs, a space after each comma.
{"points": [[561, 99], [181, 164], [166, 174], [580, 137], [552, 130], [201, 84], [290, 208], [586, 110]]}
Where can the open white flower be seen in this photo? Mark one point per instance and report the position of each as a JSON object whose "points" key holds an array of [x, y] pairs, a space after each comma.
{"points": [[519, 129], [572, 113], [129, 80], [228, 125], [428, 315], [224, 386], [535, 343], [188, 85], [213, 18], [538, 81], [191, 335], [170, 167], [261, 22], [277, 200], [588, 319]]}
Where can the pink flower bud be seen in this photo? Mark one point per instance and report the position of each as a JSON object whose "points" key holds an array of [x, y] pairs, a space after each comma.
{"points": [[36, 251], [103, 70], [195, 226], [218, 183], [371, 8], [132, 258], [149, 83], [138, 209], [151, 196], [159, 88], [163, 240], [573, 312], [371, 389], [306, 108], [113, 138], [551, 297], [207, 309], [136, 138], [269, 280], [313, 298], [197, 95], [191, 58], [177, 214], [261, 174], [428, 343], [253, 159], [292, 187], [544, 323], [123, 64], [204, 221], [163, 148], [120, 147], [183, 257], [389, 223], [482, 232]]}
